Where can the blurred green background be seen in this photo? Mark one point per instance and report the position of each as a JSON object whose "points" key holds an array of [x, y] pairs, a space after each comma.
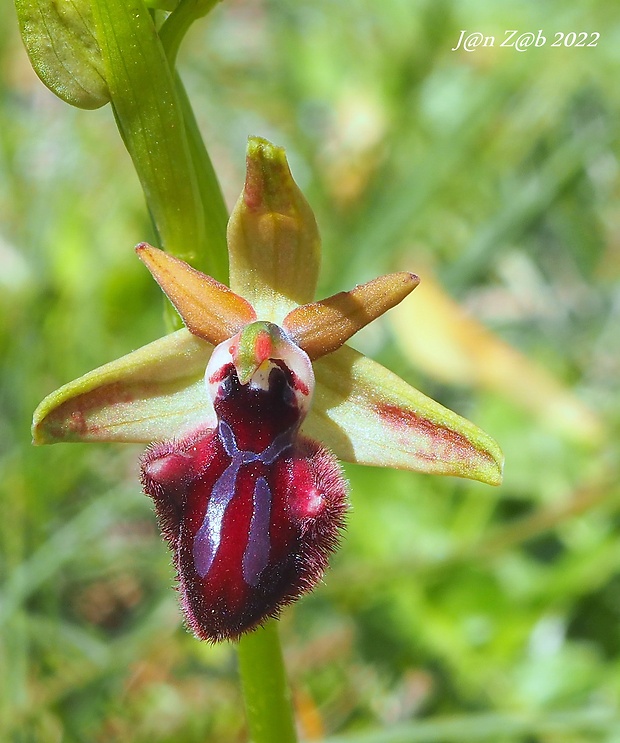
{"points": [[453, 611]]}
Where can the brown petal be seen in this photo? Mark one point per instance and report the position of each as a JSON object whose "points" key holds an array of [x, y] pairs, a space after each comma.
{"points": [[209, 309], [322, 327]]}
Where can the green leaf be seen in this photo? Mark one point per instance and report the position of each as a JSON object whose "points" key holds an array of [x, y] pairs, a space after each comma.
{"points": [[178, 22], [215, 211], [60, 40]]}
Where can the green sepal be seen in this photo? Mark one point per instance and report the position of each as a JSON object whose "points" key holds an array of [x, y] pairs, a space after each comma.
{"points": [[61, 42], [152, 394], [366, 414], [273, 240]]}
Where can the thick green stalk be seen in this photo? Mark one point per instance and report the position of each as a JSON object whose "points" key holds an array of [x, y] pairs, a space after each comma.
{"points": [[178, 22], [144, 97], [159, 129], [265, 689], [214, 208]]}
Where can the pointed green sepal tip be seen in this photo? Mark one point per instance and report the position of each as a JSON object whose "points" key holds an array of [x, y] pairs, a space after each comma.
{"points": [[273, 239], [61, 43], [152, 394], [388, 423], [269, 184]]}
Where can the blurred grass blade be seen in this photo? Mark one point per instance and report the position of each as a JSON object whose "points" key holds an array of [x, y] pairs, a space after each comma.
{"points": [[62, 546], [60, 40], [437, 336], [532, 197], [494, 727]]}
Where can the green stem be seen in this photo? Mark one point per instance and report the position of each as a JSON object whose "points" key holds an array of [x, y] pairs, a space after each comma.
{"points": [[144, 98], [265, 689], [214, 208], [178, 22]]}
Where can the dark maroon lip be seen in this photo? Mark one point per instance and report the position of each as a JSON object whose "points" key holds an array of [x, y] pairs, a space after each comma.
{"points": [[251, 509]]}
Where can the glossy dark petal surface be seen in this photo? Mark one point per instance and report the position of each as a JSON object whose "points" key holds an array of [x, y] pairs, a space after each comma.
{"points": [[250, 509]]}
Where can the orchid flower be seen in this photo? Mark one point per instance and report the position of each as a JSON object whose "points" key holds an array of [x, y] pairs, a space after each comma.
{"points": [[249, 407]]}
